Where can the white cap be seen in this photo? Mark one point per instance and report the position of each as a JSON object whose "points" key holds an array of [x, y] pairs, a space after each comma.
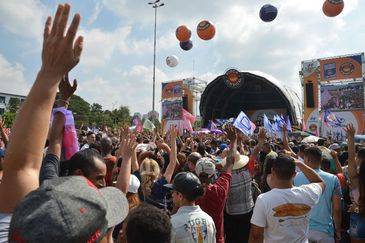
{"points": [[205, 165], [134, 184]]}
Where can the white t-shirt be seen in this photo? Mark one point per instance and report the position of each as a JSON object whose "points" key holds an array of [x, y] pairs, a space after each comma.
{"points": [[191, 225], [4, 227], [284, 213], [85, 146]]}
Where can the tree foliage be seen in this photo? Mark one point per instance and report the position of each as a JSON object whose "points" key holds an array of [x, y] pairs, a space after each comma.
{"points": [[13, 105]]}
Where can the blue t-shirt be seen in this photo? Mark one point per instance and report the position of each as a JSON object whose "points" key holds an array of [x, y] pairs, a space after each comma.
{"points": [[321, 214]]}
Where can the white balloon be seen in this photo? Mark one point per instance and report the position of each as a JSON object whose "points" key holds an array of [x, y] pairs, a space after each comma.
{"points": [[172, 61]]}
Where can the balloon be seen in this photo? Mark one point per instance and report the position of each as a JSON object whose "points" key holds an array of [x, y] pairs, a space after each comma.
{"points": [[183, 33], [205, 30], [186, 45], [332, 8], [172, 61], [268, 13]]}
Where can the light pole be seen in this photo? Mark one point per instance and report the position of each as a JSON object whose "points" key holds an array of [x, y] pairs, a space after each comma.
{"points": [[156, 4]]}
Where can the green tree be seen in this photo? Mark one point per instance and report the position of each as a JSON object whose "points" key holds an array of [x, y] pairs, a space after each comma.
{"points": [[97, 108], [13, 105], [9, 118]]}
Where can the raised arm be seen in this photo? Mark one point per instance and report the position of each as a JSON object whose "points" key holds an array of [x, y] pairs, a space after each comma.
{"points": [[337, 162], [173, 155], [257, 149], [352, 167], [311, 175], [25, 150]]}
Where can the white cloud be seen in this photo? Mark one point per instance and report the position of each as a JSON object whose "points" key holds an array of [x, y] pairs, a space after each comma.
{"points": [[12, 78], [97, 9], [23, 17]]}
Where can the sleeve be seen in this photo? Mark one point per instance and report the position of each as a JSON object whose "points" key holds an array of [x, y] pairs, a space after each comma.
{"points": [[337, 187], [251, 166], [223, 182], [50, 168], [312, 192], [259, 213]]}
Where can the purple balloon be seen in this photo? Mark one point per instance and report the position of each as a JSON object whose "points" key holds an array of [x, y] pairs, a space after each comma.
{"points": [[268, 13], [186, 45]]}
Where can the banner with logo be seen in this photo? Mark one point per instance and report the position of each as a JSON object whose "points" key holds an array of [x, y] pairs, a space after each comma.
{"points": [[341, 68], [172, 109], [172, 90], [342, 97]]}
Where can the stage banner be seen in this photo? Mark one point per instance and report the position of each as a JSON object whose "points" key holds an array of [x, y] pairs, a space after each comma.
{"points": [[172, 109], [344, 97], [341, 68], [172, 90]]}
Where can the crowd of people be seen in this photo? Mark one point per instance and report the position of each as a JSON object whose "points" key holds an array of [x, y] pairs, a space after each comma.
{"points": [[126, 186]]}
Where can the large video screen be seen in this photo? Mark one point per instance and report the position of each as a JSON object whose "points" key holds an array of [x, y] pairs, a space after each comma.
{"points": [[342, 97]]}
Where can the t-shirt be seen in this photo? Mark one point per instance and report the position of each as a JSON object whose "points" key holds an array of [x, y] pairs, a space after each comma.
{"points": [[4, 226], [284, 212], [321, 214], [85, 146], [214, 200], [192, 225]]}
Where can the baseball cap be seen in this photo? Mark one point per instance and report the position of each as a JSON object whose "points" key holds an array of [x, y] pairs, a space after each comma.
{"points": [[134, 184], [70, 209], [223, 146], [205, 165], [185, 182]]}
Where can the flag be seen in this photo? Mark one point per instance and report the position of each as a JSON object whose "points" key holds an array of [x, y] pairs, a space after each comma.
{"points": [[186, 116], [288, 124], [212, 125], [329, 119], [147, 124], [137, 122], [304, 125], [267, 124], [244, 124]]}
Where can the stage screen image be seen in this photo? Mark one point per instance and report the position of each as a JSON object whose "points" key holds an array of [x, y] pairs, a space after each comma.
{"points": [[172, 109]]}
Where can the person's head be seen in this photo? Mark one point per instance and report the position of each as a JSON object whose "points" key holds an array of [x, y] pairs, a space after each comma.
{"points": [[313, 157], [326, 165], [336, 147], [360, 157], [147, 224], [71, 209], [266, 148], [282, 171], [214, 144], [302, 148], [150, 172], [201, 149], [252, 143], [192, 160], [321, 142], [132, 194], [89, 163], [205, 170], [106, 146], [91, 138], [186, 188]]}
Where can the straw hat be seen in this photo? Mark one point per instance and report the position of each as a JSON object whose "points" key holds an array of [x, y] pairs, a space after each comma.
{"points": [[240, 161]]}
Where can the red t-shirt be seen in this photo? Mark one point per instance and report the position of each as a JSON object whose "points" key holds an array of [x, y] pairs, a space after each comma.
{"points": [[110, 162], [214, 200]]}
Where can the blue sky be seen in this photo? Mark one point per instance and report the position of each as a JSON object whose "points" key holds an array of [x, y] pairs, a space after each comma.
{"points": [[116, 64]]}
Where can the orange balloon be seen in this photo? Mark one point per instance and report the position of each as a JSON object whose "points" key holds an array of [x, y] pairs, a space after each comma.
{"points": [[332, 8], [205, 30], [183, 33]]}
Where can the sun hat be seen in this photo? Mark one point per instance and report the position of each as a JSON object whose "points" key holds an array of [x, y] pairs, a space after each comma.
{"points": [[240, 161], [205, 165], [67, 209]]}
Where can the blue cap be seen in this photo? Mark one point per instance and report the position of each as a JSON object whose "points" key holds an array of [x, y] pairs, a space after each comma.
{"points": [[223, 146]]}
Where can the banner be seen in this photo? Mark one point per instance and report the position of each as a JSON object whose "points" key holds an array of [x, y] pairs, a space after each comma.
{"points": [[172, 90], [340, 68], [244, 124], [342, 97], [172, 109]]}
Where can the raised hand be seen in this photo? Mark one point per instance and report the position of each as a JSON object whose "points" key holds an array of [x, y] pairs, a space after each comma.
{"points": [[350, 130], [127, 146], [262, 134], [230, 132], [60, 51], [66, 90]]}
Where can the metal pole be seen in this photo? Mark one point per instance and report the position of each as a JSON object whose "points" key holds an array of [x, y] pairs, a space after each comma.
{"points": [[154, 65]]}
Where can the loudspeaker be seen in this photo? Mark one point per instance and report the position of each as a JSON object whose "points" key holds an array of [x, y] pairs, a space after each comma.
{"points": [[185, 102], [309, 95]]}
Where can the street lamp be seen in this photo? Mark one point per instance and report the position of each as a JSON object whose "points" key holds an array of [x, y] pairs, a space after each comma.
{"points": [[156, 4]]}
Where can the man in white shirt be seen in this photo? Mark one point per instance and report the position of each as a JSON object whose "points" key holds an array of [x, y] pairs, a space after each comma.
{"points": [[190, 224], [90, 140], [282, 214]]}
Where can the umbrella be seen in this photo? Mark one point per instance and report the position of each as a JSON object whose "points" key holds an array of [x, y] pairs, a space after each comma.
{"points": [[310, 139], [216, 131]]}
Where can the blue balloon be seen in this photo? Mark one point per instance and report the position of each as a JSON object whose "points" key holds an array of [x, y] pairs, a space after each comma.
{"points": [[268, 13], [187, 45]]}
